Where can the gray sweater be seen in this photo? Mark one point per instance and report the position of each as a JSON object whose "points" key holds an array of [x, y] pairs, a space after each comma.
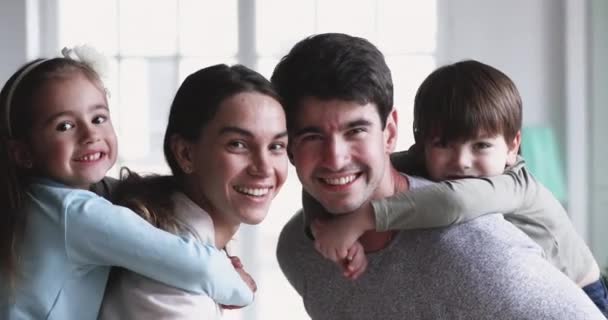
{"points": [[481, 269]]}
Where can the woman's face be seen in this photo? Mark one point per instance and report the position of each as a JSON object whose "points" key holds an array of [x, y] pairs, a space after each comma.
{"points": [[240, 160]]}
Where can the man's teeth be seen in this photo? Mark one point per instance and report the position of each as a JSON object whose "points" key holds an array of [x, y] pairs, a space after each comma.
{"points": [[256, 192], [90, 157], [340, 181]]}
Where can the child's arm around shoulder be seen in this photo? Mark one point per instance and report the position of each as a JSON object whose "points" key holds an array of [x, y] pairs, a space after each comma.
{"points": [[455, 201], [100, 233]]}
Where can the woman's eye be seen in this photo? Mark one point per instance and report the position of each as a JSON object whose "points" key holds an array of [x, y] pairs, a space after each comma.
{"points": [[99, 119], [237, 145], [277, 146], [64, 126]]}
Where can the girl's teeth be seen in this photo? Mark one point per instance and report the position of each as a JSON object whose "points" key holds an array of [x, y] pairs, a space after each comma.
{"points": [[91, 157], [340, 181], [256, 192]]}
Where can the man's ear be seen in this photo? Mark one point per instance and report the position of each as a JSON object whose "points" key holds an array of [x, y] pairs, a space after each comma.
{"points": [[21, 154], [390, 132], [513, 149], [183, 153]]}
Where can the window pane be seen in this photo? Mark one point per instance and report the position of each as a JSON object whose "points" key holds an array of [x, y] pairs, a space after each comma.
{"points": [[91, 22], [406, 26], [354, 17], [408, 72], [266, 66], [208, 27], [280, 24], [147, 88], [148, 28]]}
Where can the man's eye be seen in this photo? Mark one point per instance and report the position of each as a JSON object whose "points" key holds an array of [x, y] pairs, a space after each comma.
{"points": [[64, 126], [99, 119], [277, 147], [355, 131], [310, 137]]}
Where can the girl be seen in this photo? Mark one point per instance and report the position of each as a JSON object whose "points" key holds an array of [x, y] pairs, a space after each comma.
{"points": [[58, 239], [226, 145]]}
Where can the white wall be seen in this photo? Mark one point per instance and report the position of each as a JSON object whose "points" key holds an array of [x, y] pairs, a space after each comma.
{"points": [[522, 38], [13, 39], [599, 130]]}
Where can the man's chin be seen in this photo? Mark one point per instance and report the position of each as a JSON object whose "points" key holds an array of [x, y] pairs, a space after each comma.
{"points": [[340, 208]]}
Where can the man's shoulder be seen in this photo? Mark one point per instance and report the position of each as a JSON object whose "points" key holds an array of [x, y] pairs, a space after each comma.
{"points": [[292, 235]]}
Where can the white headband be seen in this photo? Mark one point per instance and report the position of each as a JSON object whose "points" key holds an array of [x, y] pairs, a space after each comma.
{"points": [[85, 54], [11, 91]]}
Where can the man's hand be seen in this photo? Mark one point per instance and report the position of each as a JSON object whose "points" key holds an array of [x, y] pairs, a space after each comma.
{"points": [[334, 237], [238, 266]]}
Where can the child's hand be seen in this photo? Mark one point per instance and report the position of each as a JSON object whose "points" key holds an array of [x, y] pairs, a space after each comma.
{"points": [[356, 262], [238, 266], [335, 236]]}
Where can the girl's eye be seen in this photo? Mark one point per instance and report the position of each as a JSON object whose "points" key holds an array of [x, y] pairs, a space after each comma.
{"points": [[99, 119], [64, 126], [439, 144]]}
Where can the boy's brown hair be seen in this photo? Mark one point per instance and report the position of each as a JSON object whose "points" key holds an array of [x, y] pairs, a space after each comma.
{"points": [[460, 101]]}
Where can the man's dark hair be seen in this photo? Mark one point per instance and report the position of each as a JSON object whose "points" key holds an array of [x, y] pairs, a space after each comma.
{"points": [[334, 66]]}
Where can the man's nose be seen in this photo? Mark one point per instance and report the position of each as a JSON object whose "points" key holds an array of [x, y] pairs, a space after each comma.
{"points": [[260, 165], [336, 154]]}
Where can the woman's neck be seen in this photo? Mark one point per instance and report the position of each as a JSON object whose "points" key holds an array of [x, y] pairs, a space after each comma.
{"points": [[224, 228]]}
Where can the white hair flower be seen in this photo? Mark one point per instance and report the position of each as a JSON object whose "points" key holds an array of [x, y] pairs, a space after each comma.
{"points": [[89, 56]]}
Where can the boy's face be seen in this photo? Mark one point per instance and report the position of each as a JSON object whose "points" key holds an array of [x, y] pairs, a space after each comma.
{"points": [[480, 157], [341, 152]]}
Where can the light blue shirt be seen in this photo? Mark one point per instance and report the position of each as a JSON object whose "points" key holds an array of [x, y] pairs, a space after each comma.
{"points": [[71, 238]]}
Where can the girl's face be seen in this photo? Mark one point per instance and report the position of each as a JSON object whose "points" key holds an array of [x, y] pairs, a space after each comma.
{"points": [[72, 140], [240, 160]]}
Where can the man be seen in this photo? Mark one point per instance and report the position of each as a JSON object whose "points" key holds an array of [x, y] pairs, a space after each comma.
{"points": [[338, 98]]}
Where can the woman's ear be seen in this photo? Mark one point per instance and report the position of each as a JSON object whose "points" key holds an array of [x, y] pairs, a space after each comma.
{"points": [[21, 154], [182, 151]]}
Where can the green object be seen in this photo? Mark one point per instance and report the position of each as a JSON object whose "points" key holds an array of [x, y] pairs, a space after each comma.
{"points": [[540, 150]]}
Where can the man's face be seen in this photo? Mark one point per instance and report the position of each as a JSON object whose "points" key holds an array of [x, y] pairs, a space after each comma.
{"points": [[341, 152]]}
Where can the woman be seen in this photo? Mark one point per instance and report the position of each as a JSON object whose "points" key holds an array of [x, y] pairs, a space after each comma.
{"points": [[226, 146]]}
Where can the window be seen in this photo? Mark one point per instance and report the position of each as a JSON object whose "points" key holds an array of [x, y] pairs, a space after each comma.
{"points": [[154, 45]]}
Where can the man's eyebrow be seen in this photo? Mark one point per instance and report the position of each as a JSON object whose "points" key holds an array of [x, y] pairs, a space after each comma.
{"points": [[247, 133], [358, 123], [348, 125], [308, 129]]}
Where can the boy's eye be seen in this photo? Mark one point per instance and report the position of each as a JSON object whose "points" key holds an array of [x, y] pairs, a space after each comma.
{"points": [[482, 145], [439, 143], [64, 126], [99, 119]]}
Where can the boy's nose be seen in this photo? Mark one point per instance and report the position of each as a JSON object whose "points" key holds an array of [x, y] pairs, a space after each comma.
{"points": [[463, 159]]}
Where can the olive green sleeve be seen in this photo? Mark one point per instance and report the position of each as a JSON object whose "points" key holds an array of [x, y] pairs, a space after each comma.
{"points": [[455, 201]]}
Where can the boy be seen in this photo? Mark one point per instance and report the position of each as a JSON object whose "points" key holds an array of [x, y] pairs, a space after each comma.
{"points": [[467, 124]]}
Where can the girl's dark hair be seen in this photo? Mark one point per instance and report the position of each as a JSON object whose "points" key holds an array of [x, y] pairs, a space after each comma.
{"points": [[196, 102], [15, 125], [460, 100]]}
